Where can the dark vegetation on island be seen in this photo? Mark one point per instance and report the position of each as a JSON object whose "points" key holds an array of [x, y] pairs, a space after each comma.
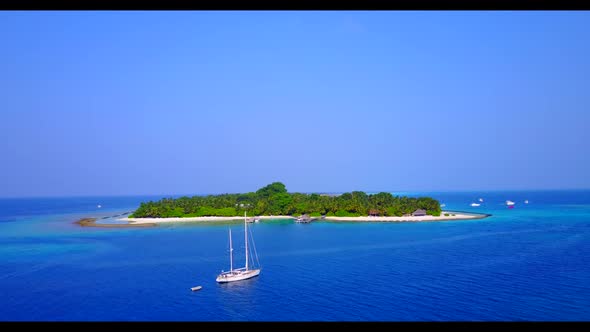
{"points": [[275, 200]]}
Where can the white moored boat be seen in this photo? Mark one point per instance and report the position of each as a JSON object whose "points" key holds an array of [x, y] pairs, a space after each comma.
{"points": [[509, 203], [243, 272], [475, 204]]}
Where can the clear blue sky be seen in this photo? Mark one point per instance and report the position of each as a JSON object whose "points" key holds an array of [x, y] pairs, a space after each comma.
{"points": [[99, 103]]}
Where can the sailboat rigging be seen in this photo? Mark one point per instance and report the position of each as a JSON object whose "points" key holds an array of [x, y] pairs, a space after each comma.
{"points": [[243, 272]]}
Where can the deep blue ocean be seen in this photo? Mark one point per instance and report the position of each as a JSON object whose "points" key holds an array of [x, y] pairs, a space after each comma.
{"points": [[529, 263]]}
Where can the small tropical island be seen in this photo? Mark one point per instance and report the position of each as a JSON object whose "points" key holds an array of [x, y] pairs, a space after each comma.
{"points": [[275, 202]]}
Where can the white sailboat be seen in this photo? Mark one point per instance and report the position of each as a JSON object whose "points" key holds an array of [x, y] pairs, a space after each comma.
{"points": [[243, 272]]}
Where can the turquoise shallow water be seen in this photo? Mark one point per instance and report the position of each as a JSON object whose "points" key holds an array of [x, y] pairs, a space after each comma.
{"points": [[527, 263]]}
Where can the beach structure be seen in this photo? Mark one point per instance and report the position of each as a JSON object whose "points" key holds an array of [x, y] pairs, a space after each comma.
{"points": [[373, 213], [253, 219], [242, 273], [304, 218], [419, 213]]}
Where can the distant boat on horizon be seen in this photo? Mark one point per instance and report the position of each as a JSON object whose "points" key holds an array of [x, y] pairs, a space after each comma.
{"points": [[99, 206], [526, 201], [481, 199], [242, 273], [475, 204], [510, 203]]}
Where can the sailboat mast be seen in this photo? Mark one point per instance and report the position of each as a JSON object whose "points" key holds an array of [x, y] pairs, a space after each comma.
{"points": [[246, 238], [231, 254]]}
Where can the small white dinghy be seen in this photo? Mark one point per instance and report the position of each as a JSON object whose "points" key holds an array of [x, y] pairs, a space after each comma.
{"points": [[196, 288]]}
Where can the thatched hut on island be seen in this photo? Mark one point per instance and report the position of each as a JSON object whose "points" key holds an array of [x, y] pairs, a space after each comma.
{"points": [[419, 213]]}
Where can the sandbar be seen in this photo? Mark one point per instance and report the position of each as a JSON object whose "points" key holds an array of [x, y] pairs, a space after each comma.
{"points": [[91, 222]]}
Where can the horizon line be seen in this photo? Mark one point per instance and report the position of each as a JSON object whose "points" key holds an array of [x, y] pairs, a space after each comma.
{"points": [[302, 192]]}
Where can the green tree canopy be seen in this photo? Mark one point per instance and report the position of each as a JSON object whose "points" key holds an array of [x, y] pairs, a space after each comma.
{"points": [[275, 200]]}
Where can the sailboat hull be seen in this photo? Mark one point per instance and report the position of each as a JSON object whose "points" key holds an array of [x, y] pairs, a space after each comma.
{"points": [[237, 275]]}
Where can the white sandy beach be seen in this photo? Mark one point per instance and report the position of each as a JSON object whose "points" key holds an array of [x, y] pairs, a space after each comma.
{"points": [[451, 216], [192, 219], [456, 216]]}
